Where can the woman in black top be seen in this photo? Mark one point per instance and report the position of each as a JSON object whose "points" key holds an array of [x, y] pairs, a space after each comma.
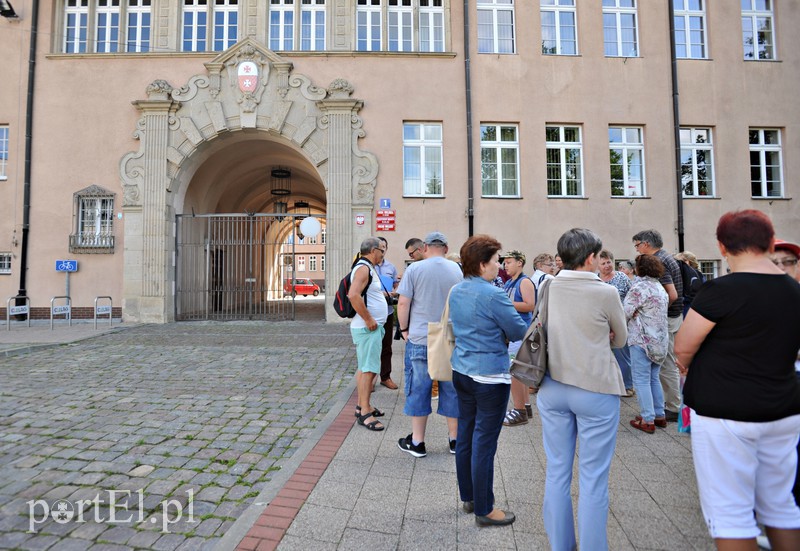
{"points": [[738, 345]]}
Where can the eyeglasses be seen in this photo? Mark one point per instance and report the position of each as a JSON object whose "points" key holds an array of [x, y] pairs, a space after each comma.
{"points": [[785, 262], [411, 252], [636, 245], [381, 250]]}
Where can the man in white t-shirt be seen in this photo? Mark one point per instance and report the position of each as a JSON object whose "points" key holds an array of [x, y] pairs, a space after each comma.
{"points": [[367, 327]]}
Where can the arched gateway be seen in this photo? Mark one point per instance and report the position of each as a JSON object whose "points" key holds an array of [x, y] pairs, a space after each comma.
{"points": [[246, 91]]}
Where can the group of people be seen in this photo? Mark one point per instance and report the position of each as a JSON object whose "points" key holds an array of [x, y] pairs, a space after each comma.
{"points": [[610, 334]]}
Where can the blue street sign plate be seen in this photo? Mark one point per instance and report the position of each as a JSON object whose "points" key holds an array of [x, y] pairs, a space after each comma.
{"points": [[386, 203], [66, 265]]}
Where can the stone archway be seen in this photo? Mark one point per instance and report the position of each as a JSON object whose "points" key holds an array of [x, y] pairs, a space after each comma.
{"points": [[321, 124]]}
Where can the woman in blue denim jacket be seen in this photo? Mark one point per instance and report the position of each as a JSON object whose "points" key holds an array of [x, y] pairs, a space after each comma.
{"points": [[484, 320]]}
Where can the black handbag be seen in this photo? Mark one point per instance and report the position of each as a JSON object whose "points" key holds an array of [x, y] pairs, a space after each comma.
{"points": [[530, 363]]}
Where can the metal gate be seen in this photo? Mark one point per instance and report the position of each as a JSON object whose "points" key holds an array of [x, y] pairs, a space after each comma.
{"points": [[234, 266]]}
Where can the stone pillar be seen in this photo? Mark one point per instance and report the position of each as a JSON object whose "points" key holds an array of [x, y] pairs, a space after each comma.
{"points": [[339, 116], [148, 295]]}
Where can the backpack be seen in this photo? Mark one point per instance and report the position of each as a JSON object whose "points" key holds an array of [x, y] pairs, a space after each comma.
{"points": [[691, 281], [342, 305], [536, 286]]}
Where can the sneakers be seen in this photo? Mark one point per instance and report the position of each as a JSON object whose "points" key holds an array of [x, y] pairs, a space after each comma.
{"points": [[515, 417], [453, 447], [630, 392], [408, 446]]}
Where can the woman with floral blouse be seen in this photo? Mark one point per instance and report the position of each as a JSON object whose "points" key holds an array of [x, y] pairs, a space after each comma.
{"points": [[648, 338]]}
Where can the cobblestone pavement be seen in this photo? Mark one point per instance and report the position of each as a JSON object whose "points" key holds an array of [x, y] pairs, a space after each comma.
{"points": [[194, 418]]}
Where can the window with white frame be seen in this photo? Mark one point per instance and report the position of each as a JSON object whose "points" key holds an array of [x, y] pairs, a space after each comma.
{"points": [[322, 263], [766, 173], [626, 153], [697, 162], [564, 165], [559, 27], [709, 268], [499, 160], [431, 26], [368, 25], [422, 160], [210, 24], [76, 22], [620, 31], [94, 221], [3, 152], [322, 236], [312, 25], [301, 263], [758, 35], [690, 29], [106, 26], [138, 28], [311, 240], [5, 263], [312, 263], [401, 16], [496, 27], [281, 25]]}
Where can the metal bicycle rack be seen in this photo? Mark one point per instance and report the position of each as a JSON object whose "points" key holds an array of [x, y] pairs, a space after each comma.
{"points": [[105, 309], [62, 310], [15, 310]]}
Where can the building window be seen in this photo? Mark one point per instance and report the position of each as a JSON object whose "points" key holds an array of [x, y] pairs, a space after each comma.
{"points": [[281, 25], [322, 263], [312, 263], [620, 32], [103, 21], [311, 240], [368, 25], [3, 152], [709, 268], [559, 27], [138, 39], [94, 221], [697, 162], [499, 161], [431, 26], [564, 167], [301, 263], [322, 238], [496, 27], [202, 19], [626, 152], [400, 27], [765, 163], [758, 36], [5, 263], [690, 29], [312, 25], [422, 160]]}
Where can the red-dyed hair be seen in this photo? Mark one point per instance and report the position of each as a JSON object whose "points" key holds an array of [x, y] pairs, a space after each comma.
{"points": [[477, 249], [745, 230]]}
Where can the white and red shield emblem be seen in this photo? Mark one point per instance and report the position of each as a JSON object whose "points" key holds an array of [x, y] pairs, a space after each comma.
{"points": [[360, 220], [248, 76]]}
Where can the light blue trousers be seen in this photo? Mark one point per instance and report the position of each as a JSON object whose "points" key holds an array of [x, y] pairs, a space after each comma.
{"points": [[569, 415]]}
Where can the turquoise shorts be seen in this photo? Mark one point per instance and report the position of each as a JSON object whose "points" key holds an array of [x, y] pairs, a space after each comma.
{"points": [[368, 348]]}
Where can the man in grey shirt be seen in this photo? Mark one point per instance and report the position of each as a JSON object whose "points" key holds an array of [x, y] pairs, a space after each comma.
{"points": [[423, 291]]}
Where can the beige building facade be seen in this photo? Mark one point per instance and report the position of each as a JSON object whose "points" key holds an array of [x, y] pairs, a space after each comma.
{"points": [[150, 113]]}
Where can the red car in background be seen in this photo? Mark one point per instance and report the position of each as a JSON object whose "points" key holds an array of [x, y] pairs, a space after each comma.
{"points": [[302, 286]]}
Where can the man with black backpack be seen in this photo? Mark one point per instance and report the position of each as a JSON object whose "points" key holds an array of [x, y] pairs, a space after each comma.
{"points": [[367, 299]]}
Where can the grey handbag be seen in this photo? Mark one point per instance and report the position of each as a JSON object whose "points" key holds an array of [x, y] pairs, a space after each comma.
{"points": [[530, 363]]}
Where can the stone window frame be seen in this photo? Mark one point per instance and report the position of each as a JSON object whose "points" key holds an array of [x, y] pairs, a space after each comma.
{"points": [[211, 9], [102, 240], [88, 13], [299, 10], [420, 9]]}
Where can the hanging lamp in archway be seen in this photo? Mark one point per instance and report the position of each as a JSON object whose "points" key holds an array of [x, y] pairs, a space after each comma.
{"points": [[280, 181]]}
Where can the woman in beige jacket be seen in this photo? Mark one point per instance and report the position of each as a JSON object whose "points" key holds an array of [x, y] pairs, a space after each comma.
{"points": [[579, 397]]}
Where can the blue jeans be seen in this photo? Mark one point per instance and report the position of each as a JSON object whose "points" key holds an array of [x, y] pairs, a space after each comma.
{"points": [[481, 409], [569, 413], [418, 386], [647, 384], [623, 357]]}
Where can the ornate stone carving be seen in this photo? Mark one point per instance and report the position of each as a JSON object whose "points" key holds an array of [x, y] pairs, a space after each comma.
{"points": [[159, 89], [340, 89], [131, 177], [365, 168], [308, 90], [189, 90]]}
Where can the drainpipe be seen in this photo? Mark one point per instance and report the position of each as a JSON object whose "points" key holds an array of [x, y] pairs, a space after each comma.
{"points": [[26, 205], [676, 123], [468, 89]]}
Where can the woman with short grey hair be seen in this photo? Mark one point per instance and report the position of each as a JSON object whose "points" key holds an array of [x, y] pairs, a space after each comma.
{"points": [[580, 395]]}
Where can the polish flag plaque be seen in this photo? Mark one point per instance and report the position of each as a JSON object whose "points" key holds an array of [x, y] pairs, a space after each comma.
{"points": [[248, 76]]}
